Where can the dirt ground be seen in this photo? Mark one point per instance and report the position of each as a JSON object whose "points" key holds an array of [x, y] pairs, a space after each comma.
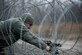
{"points": [[22, 48]]}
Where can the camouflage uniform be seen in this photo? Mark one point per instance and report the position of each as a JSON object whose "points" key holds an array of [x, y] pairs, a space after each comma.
{"points": [[13, 29]]}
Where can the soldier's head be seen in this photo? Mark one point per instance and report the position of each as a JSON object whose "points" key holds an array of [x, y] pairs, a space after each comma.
{"points": [[28, 20]]}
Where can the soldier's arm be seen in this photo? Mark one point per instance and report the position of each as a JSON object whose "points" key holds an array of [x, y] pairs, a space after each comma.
{"points": [[28, 36]]}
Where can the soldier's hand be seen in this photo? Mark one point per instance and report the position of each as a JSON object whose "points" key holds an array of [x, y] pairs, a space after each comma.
{"points": [[50, 45], [48, 48]]}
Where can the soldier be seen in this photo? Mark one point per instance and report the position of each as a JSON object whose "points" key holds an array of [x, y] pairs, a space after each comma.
{"points": [[14, 29]]}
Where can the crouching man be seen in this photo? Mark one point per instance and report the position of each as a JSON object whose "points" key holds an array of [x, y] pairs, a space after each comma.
{"points": [[14, 29]]}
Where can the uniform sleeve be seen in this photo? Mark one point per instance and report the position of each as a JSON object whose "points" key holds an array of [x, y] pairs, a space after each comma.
{"points": [[28, 36]]}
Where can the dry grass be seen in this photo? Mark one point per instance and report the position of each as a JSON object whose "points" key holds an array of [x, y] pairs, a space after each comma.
{"points": [[71, 30]]}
